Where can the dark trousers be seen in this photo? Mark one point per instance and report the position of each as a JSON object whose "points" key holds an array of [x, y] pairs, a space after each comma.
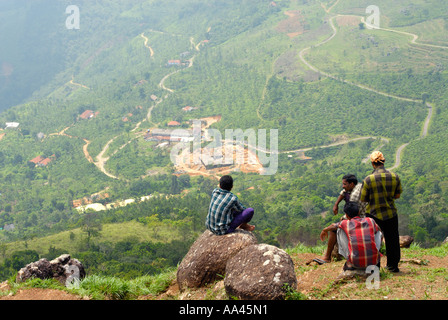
{"points": [[392, 238], [241, 217]]}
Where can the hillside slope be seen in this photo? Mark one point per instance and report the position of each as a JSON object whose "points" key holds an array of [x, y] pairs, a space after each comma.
{"points": [[423, 276]]}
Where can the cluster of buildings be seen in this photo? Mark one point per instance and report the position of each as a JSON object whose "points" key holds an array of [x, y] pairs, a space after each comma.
{"points": [[177, 63], [173, 134], [89, 200], [167, 135]]}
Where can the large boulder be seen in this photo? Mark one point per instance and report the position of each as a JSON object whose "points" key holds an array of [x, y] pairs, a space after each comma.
{"points": [[61, 269], [206, 260], [260, 272]]}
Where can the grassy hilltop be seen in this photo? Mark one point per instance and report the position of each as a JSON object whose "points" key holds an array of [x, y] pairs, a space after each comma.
{"points": [[423, 277]]}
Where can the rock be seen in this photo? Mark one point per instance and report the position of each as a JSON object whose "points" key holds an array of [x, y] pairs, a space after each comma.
{"points": [[60, 268], [39, 269], [260, 272], [206, 260], [351, 274], [415, 261], [335, 256], [405, 241]]}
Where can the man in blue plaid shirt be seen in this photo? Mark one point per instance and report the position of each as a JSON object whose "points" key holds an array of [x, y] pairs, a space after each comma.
{"points": [[225, 212]]}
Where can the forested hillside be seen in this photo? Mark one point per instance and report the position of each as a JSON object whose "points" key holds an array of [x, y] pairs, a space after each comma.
{"points": [[80, 108]]}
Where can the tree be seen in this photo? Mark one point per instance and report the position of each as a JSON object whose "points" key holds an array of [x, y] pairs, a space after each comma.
{"points": [[91, 225], [308, 207]]}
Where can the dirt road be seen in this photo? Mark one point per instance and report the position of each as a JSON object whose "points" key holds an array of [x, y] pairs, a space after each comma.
{"points": [[414, 39]]}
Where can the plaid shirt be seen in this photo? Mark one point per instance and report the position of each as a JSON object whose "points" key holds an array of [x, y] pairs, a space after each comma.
{"points": [[220, 212], [355, 195], [361, 241], [379, 191]]}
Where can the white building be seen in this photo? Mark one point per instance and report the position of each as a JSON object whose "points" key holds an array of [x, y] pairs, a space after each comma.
{"points": [[12, 125]]}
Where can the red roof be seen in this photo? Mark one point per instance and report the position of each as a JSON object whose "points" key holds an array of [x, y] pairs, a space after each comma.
{"points": [[45, 161], [37, 159], [88, 114], [173, 123]]}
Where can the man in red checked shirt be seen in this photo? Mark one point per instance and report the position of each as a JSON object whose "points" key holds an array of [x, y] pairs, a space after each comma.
{"points": [[359, 239]]}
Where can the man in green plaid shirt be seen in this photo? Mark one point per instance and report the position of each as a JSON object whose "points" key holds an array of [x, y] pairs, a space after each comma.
{"points": [[380, 189]]}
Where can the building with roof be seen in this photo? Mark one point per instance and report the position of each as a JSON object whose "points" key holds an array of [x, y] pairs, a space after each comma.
{"points": [[12, 125], [41, 161], [88, 114], [173, 123]]}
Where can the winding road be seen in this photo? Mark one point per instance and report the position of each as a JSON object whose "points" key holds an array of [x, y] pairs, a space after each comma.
{"points": [[101, 160], [414, 39], [151, 52]]}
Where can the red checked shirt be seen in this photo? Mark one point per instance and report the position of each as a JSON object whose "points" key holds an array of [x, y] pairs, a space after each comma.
{"points": [[361, 241]]}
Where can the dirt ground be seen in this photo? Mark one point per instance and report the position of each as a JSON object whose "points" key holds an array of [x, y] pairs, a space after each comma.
{"points": [[415, 281], [293, 25], [347, 21], [426, 281], [41, 294]]}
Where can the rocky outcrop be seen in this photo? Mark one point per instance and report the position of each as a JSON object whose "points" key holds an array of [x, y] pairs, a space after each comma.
{"points": [[405, 241], [206, 260], [260, 272], [61, 268]]}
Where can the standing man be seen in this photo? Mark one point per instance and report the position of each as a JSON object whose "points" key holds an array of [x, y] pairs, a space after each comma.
{"points": [[380, 189]]}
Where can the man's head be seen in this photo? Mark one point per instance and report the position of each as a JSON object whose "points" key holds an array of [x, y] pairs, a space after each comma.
{"points": [[349, 181], [377, 159], [351, 209], [226, 183]]}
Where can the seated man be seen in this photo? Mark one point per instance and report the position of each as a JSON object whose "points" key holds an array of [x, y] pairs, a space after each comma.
{"points": [[225, 212], [359, 239]]}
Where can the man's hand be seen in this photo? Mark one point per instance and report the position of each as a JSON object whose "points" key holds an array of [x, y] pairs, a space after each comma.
{"points": [[335, 209], [323, 235]]}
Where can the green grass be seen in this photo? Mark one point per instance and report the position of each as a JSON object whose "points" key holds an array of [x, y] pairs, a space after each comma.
{"points": [[103, 288], [113, 288], [301, 248], [416, 251]]}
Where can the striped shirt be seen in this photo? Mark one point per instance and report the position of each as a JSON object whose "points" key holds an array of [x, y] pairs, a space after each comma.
{"points": [[221, 210], [379, 191], [362, 248]]}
